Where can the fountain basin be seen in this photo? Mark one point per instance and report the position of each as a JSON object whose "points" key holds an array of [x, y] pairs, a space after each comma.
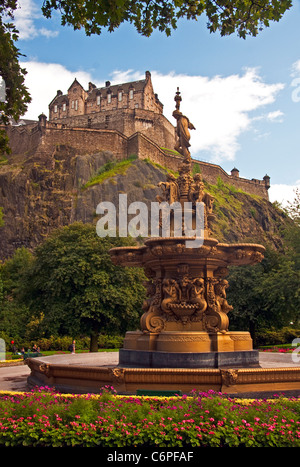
{"points": [[87, 375]]}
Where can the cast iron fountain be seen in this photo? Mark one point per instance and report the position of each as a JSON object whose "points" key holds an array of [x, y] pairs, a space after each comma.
{"points": [[185, 322], [184, 342]]}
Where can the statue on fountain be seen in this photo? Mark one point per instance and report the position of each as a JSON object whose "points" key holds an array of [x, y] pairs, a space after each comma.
{"points": [[182, 130]]}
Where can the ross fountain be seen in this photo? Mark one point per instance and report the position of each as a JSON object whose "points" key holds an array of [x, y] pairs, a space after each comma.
{"points": [[185, 322], [184, 341]]}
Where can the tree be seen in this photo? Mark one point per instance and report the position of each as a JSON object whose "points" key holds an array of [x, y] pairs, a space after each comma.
{"points": [[74, 283], [14, 94], [14, 315], [226, 16], [293, 208], [268, 294], [248, 303], [292, 233]]}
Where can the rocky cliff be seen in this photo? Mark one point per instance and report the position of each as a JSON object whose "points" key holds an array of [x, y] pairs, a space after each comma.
{"points": [[40, 192]]}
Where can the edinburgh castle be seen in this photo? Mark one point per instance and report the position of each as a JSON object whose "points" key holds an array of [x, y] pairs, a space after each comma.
{"points": [[49, 179], [125, 119]]}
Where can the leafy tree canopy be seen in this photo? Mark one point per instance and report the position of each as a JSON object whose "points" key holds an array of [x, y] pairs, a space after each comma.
{"points": [[14, 95], [79, 290], [268, 294], [226, 16], [14, 315]]}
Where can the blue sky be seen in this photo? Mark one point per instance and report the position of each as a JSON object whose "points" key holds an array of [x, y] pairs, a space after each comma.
{"points": [[243, 96]]}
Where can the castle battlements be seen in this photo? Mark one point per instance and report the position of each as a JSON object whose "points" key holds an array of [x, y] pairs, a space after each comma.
{"points": [[125, 119]]}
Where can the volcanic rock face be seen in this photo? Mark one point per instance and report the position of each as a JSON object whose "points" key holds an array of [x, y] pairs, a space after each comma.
{"points": [[43, 191]]}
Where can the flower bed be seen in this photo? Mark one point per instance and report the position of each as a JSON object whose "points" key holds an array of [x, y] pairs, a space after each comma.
{"points": [[44, 418]]}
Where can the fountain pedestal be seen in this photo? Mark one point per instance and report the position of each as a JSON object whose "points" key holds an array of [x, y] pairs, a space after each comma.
{"points": [[188, 350]]}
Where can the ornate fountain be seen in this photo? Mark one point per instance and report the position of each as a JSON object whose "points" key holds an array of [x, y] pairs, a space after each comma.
{"points": [[185, 321], [184, 342]]}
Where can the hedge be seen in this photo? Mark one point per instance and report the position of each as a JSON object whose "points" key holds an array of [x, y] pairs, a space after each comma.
{"points": [[286, 335], [62, 343]]}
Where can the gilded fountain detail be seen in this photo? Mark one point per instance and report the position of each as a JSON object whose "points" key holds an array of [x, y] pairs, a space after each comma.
{"points": [[184, 341], [186, 309]]}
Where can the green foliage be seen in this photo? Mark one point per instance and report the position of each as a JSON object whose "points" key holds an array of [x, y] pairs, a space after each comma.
{"points": [[74, 282], [240, 16], [272, 336], [57, 344], [266, 294], [109, 170], [161, 167], [171, 151], [243, 17], [13, 314], [196, 169], [227, 204], [17, 97], [292, 233], [70, 287]]}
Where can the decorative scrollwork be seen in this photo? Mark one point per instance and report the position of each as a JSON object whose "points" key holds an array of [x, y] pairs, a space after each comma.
{"points": [[45, 369], [229, 377], [118, 376]]}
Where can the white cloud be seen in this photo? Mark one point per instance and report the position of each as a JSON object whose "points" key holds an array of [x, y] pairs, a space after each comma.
{"points": [[275, 116], [44, 80], [283, 193], [295, 69], [219, 107], [25, 17]]}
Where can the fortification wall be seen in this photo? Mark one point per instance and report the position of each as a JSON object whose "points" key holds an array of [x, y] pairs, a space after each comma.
{"points": [[44, 139], [85, 141], [145, 148], [23, 139], [126, 121]]}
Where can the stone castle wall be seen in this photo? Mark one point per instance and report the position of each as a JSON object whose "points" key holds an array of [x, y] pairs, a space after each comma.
{"points": [[45, 138], [125, 121], [23, 139]]}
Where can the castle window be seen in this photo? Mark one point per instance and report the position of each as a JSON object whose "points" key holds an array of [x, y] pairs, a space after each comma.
{"points": [[76, 104], [131, 94], [72, 105], [109, 98], [120, 95], [64, 107], [98, 100], [55, 108]]}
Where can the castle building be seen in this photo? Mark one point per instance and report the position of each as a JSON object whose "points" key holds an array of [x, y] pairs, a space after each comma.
{"points": [[128, 108], [125, 119]]}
